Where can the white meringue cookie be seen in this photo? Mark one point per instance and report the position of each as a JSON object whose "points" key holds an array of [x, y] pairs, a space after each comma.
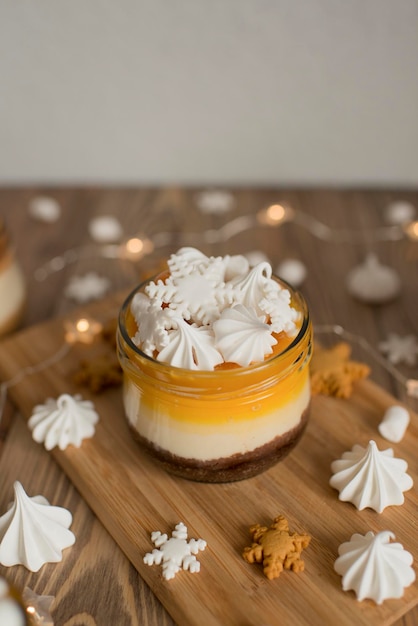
{"points": [[32, 532], [370, 478], [45, 209], [105, 229], [242, 337], [67, 420], [190, 347], [394, 423], [373, 567], [292, 271], [373, 282], [400, 212]]}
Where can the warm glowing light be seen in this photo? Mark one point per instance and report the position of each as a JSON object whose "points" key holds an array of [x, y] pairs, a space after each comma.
{"points": [[31, 610], [411, 230], [275, 214], [136, 247], [83, 330], [82, 325], [412, 388]]}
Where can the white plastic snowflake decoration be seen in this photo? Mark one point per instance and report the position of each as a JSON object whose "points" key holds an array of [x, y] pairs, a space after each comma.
{"points": [[400, 349], [175, 553]]}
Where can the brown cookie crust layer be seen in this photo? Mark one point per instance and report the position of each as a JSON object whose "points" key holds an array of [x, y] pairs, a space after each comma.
{"points": [[229, 469]]}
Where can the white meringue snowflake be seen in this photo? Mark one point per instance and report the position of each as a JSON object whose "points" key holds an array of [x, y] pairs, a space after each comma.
{"points": [[91, 286], [175, 553], [283, 317], [195, 288], [400, 349], [152, 321]]}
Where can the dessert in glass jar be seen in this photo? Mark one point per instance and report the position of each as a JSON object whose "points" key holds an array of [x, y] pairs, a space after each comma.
{"points": [[215, 356], [12, 286]]}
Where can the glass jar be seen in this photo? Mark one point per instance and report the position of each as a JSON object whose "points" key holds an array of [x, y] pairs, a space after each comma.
{"points": [[12, 286], [222, 425]]}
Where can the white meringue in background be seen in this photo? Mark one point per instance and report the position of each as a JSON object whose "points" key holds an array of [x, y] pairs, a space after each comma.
{"points": [[373, 567], [215, 201], [373, 282], [32, 532], [292, 271], [400, 212], [394, 423], [45, 209], [370, 478], [67, 420], [105, 229]]}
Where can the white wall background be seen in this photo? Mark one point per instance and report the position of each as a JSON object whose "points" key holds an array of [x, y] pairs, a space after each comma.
{"points": [[209, 91]]}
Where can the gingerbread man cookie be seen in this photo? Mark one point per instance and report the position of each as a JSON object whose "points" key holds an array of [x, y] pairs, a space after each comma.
{"points": [[276, 548], [332, 372]]}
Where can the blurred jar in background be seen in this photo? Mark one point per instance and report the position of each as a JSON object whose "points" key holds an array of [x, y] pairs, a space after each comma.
{"points": [[12, 285]]}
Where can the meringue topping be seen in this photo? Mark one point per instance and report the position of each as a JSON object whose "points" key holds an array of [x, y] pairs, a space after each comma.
{"points": [[32, 532], [374, 567], [241, 336], [211, 310], [370, 478], [67, 420]]}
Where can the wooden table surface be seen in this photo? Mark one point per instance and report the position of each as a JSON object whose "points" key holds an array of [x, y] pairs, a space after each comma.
{"points": [[95, 583]]}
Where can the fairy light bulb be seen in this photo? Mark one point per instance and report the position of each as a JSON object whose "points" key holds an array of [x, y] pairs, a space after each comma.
{"points": [[411, 230], [136, 247], [275, 214], [83, 330]]}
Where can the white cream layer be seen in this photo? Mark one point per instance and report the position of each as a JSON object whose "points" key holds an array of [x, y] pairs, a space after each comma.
{"points": [[204, 441], [12, 292]]}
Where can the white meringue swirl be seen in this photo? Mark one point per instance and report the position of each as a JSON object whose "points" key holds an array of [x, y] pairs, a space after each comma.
{"points": [[242, 337], [370, 478], [373, 567], [32, 532], [67, 420]]}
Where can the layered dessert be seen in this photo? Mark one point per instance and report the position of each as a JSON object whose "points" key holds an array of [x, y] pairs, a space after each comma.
{"points": [[12, 286], [215, 357]]}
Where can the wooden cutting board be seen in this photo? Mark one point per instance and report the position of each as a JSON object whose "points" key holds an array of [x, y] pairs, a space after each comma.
{"points": [[132, 497]]}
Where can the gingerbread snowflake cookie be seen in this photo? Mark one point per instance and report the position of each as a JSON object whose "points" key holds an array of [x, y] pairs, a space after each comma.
{"points": [[175, 553], [333, 373], [99, 373], [276, 548]]}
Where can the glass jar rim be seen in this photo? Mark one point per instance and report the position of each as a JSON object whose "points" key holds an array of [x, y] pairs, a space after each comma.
{"points": [[235, 371]]}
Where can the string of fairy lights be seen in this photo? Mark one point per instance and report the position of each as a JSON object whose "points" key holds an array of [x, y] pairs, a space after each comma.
{"points": [[139, 246], [136, 248]]}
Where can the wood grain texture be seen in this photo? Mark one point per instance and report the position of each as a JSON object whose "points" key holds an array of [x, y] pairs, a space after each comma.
{"points": [[132, 497], [161, 209]]}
